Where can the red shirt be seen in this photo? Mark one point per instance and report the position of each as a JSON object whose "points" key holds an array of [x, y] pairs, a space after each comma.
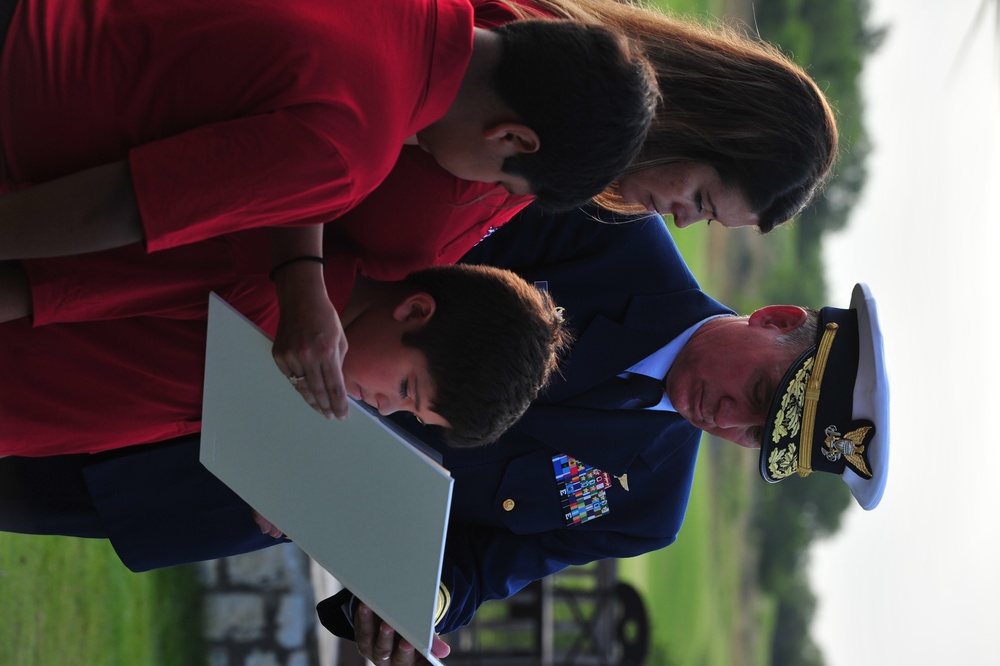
{"points": [[231, 114], [103, 385], [94, 386], [420, 216]]}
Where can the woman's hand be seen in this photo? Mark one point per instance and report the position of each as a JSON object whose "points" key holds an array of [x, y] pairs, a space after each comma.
{"points": [[310, 344]]}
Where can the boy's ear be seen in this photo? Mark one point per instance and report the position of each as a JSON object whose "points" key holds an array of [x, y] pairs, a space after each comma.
{"points": [[513, 138], [416, 308], [783, 317]]}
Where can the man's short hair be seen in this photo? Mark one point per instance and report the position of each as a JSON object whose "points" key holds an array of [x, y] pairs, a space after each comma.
{"points": [[492, 345], [590, 96]]}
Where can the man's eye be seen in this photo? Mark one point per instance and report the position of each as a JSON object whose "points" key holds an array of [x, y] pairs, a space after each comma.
{"points": [[404, 389]]}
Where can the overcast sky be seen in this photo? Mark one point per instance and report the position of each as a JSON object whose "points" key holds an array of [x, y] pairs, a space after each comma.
{"points": [[917, 580]]}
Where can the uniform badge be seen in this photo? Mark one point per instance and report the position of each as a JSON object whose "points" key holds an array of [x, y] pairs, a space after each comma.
{"points": [[582, 489], [851, 447]]}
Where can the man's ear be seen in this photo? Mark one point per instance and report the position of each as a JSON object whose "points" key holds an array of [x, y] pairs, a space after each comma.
{"points": [[512, 138], [782, 317], [416, 308]]}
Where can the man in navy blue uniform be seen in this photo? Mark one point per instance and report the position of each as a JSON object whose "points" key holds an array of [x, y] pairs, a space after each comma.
{"points": [[596, 468], [593, 470], [626, 292]]}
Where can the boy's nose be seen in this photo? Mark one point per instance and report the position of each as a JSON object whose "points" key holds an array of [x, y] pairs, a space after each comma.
{"points": [[387, 404]]}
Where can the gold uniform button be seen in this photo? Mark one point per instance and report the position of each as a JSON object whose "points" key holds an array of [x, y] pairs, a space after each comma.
{"points": [[508, 505]]}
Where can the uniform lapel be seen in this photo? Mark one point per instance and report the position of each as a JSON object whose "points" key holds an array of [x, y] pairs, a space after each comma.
{"points": [[606, 348]]}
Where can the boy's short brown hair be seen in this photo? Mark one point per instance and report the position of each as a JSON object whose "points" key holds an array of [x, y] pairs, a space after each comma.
{"points": [[491, 346]]}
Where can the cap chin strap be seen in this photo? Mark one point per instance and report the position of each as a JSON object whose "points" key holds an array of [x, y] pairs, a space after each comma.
{"points": [[812, 399]]}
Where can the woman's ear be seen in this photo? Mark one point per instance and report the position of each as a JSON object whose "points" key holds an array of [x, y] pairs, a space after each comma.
{"points": [[513, 138]]}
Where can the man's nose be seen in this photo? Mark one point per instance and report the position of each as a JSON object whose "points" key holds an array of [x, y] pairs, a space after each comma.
{"points": [[734, 414]]}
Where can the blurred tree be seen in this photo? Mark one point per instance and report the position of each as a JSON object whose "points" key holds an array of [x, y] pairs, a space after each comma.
{"points": [[788, 517], [830, 39], [791, 644]]}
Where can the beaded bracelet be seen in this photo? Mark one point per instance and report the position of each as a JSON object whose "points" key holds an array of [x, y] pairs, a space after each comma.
{"points": [[289, 262]]}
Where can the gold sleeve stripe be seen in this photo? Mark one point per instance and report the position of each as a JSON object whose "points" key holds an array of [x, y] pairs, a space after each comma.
{"points": [[443, 603]]}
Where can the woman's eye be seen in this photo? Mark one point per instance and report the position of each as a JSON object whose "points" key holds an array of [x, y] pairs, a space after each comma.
{"points": [[698, 203]]}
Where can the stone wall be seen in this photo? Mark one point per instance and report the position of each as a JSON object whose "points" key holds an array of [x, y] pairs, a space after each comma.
{"points": [[260, 609]]}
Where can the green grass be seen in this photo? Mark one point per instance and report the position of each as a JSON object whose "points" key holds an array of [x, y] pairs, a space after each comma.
{"points": [[709, 9], [72, 602], [704, 607], [767, 617], [691, 588]]}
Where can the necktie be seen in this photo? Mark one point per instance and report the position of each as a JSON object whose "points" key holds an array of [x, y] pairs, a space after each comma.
{"points": [[634, 391]]}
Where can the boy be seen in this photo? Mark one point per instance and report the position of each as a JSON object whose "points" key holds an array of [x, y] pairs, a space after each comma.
{"points": [[174, 123], [465, 348], [479, 343]]}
